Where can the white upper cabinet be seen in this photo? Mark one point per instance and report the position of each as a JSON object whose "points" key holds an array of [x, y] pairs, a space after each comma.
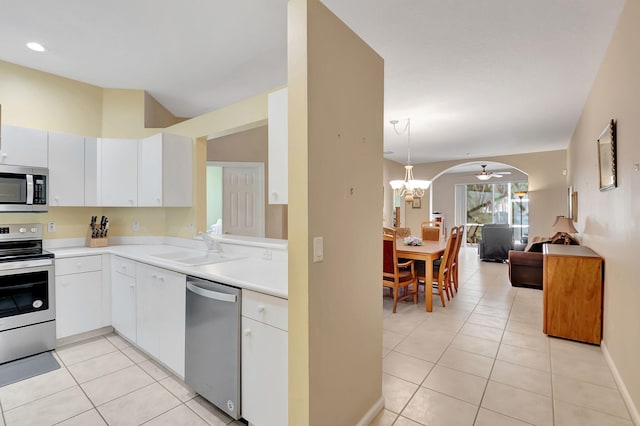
{"points": [[21, 146], [66, 170], [150, 171], [165, 171], [278, 131], [119, 166], [92, 172]]}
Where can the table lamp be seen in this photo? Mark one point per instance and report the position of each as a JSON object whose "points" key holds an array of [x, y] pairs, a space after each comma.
{"points": [[564, 226]]}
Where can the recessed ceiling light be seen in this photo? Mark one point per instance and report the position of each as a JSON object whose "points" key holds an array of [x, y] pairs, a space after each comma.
{"points": [[35, 46]]}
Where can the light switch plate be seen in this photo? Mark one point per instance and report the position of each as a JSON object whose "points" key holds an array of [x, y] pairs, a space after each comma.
{"points": [[318, 249]]}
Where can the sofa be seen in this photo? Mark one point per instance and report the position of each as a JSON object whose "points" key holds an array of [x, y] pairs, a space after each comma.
{"points": [[496, 241], [525, 267]]}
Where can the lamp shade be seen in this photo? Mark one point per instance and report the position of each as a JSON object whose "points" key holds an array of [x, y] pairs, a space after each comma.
{"points": [[564, 225]]}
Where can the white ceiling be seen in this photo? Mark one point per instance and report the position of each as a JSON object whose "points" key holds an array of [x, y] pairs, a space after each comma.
{"points": [[477, 78]]}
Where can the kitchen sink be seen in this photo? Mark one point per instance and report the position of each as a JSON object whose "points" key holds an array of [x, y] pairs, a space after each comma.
{"points": [[194, 257]]}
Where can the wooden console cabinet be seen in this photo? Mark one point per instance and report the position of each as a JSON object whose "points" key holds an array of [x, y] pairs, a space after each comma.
{"points": [[572, 293]]}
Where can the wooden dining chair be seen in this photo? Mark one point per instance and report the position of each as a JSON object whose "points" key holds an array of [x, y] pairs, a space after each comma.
{"points": [[442, 268], [441, 276], [389, 231], [454, 262], [403, 232], [396, 275], [430, 231]]}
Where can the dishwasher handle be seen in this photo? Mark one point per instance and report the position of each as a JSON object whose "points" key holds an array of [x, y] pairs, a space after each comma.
{"points": [[223, 297]]}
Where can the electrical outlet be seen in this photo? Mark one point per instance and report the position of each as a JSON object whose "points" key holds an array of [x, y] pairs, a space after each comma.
{"points": [[136, 225], [51, 227], [267, 255]]}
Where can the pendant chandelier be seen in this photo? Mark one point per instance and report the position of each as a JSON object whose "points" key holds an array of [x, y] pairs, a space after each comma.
{"points": [[409, 188]]}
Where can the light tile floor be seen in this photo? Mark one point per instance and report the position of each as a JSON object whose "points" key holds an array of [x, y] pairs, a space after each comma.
{"points": [[483, 360], [105, 381]]}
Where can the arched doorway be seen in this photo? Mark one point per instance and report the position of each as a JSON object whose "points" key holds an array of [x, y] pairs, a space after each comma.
{"points": [[466, 196]]}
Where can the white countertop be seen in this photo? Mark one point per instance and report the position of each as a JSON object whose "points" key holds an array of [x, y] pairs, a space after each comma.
{"points": [[251, 272]]}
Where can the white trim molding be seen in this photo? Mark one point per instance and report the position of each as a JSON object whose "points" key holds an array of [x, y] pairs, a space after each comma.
{"points": [[633, 410], [372, 412]]}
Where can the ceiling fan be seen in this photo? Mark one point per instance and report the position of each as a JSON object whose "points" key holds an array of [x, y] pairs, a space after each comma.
{"points": [[485, 175]]}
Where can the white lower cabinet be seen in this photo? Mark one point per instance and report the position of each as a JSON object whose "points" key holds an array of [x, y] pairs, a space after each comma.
{"points": [[264, 359], [123, 297], [79, 295], [160, 314]]}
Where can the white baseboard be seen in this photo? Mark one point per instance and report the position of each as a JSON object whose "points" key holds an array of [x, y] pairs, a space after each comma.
{"points": [[372, 412], [633, 410]]}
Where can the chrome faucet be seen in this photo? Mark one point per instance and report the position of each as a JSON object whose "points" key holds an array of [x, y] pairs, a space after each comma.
{"points": [[212, 243]]}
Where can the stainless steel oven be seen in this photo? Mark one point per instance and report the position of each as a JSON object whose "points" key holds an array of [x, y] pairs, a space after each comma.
{"points": [[27, 293]]}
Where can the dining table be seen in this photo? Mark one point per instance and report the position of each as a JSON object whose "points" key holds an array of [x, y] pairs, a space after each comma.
{"points": [[427, 252]]}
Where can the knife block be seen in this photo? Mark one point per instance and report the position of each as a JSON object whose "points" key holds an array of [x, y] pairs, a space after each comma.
{"points": [[95, 241]]}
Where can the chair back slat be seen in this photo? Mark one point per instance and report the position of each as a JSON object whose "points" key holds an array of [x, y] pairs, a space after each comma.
{"points": [[449, 254]]}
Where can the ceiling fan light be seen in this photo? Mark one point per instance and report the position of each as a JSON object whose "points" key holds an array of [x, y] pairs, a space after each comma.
{"points": [[483, 177]]}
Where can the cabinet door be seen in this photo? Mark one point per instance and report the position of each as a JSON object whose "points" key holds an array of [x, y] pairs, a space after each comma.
{"points": [[177, 169], [264, 374], [164, 171], [119, 163], [66, 169], [278, 147], [161, 302], [92, 172], [22, 146], [78, 303], [123, 304], [150, 171]]}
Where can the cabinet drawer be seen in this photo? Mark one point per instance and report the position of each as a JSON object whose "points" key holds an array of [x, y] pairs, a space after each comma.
{"points": [[124, 266], [76, 265], [267, 309]]}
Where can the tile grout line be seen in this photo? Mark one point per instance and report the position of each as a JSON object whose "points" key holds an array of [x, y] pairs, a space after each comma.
{"points": [[434, 365], [82, 389], [484, 392]]}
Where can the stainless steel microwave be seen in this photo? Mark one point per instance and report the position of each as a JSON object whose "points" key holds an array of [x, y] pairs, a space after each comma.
{"points": [[23, 189]]}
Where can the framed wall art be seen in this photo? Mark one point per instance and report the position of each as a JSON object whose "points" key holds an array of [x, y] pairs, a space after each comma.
{"points": [[416, 203], [607, 157]]}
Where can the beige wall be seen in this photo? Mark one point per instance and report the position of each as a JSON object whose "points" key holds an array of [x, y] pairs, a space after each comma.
{"points": [[156, 115], [335, 320], [609, 221], [251, 146], [32, 98], [547, 187]]}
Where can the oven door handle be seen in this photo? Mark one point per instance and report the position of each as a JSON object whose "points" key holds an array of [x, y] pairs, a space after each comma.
{"points": [[21, 286], [29, 189], [8, 266]]}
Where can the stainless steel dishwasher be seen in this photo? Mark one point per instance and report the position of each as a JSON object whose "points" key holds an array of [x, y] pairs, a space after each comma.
{"points": [[212, 338]]}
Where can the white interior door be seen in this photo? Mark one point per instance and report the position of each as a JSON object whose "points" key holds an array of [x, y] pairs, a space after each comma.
{"points": [[243, 200]]}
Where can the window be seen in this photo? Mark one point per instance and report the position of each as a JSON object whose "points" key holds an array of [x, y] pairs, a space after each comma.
{"points": [[496, 203]]}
